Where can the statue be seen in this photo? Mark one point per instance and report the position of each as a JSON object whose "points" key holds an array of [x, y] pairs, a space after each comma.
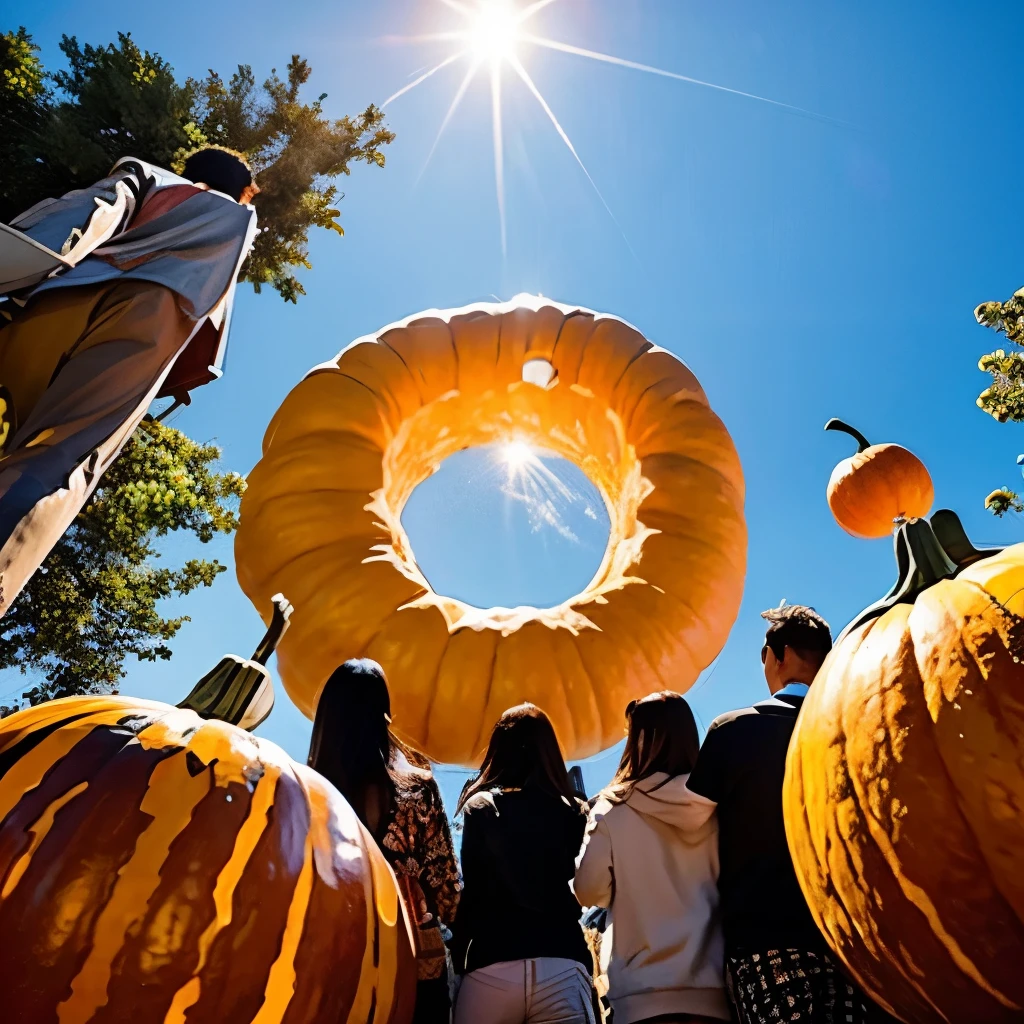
{"points": [[117, 295]]}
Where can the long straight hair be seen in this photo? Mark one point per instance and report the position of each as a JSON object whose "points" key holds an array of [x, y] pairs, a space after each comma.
{"points": [[523, 752], [352, 746], [661, 736]]}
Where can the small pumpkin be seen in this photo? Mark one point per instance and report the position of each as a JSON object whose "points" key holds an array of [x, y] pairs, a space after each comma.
{"points": [[157, 864], [904, 789], [874, 490], [321, 520]]}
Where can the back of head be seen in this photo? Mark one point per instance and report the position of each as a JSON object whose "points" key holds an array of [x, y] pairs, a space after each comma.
{"points": [[800, 628], [351, 745], [219, 168], [523, 752], [661, 737]]}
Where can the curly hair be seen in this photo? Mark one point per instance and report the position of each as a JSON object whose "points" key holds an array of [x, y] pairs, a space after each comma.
{"points": [[797, 626]]}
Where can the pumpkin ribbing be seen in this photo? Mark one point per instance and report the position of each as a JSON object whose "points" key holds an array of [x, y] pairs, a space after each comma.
{"points": [[904, 791], [158, 867], [878, 488], [321, 520]]}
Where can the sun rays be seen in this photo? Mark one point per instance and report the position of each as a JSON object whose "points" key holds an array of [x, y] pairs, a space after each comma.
{"points": [[491, 36], [545, 495]]}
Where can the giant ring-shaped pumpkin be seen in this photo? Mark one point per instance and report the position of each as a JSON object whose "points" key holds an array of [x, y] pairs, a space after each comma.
{"points": [[321, 521]]}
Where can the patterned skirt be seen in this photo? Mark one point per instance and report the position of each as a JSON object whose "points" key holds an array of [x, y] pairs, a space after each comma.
{"points": [[774, 985]]}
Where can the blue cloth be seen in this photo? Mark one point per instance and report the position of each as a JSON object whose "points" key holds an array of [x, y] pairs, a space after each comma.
{"points": [[792, 690], [195, 249]]}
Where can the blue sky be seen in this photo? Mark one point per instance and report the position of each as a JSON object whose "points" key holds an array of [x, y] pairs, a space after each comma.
{"points": [[803, 269]]}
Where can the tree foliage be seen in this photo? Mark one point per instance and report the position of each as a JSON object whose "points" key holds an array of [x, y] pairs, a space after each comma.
{"points": [[93, 603], [66, 130], [1003, 399]]}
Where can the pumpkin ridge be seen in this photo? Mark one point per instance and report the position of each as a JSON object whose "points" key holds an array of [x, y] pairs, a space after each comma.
{"points": [[434, 687], [981, 689], [117, 788], [485, 725], [979, 852], [89, 989], [914, 893], [584, 675]]}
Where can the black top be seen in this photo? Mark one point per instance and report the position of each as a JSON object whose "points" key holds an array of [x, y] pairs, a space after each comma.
{"points": [[518, 857], [741, 766]]}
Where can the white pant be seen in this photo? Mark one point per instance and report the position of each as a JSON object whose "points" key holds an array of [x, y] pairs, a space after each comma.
{"points": [[549, 990]]}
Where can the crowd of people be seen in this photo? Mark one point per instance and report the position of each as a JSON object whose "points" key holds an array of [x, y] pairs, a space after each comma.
{"points": [[679, 868]]}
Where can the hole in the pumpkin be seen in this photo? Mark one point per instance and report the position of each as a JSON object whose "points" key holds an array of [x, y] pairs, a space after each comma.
{"points": [[539, 372], [506, 525]]}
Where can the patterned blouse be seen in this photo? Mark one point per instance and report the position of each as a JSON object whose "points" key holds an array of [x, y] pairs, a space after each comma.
{"points": [[418, 845]]}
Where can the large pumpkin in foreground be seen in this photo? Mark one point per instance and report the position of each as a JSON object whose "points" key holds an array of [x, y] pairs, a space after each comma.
{"points": [[904, 792], [321, 520], [159, 867]]}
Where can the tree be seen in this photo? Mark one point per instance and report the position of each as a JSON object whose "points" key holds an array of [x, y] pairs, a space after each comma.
{"points": [[93, 603], [119, 99], [1004, 397]]}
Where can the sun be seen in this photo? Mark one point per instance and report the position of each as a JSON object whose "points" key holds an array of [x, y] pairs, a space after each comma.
{"points": [[490, 35], [516, 455], [494, 31]]}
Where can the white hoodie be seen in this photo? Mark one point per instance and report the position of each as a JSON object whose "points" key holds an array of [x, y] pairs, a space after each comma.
{"points": [[653, 861]]}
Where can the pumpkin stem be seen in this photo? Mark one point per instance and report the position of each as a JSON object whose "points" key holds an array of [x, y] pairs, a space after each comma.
{"points": [[279, 622], [954, 540], [926, 552], [835, 424], [237, 691]]}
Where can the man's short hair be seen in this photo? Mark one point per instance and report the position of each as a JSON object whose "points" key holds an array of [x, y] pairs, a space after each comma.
{"points": [[799, 627], [222, 169]]}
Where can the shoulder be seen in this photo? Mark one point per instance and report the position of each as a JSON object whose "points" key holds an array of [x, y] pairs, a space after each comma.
{"points": [[416, 787], [603, 808], [750, 718], [734, 721], [483, 804]]}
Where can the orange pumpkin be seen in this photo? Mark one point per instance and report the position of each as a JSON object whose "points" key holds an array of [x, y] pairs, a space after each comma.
{"points": [[872, 492], [158, 867], [904, 791], [321, 519]]}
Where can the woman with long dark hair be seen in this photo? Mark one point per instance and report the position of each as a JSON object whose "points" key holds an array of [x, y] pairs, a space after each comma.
{"points": [[651, 858], [393, 792], [517, 938]]}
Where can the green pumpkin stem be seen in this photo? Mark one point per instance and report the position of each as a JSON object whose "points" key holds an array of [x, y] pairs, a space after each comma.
{"points": [[954, 540], [926, 552], [237, 691], [834, 424]]}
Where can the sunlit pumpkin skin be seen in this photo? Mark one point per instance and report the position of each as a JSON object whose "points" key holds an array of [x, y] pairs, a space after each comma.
{"points": [[321, 521], [904, 797], [158, 867], [871, 492]]}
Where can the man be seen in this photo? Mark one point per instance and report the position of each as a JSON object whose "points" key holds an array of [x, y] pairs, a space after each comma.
{"points": [[777, 965], [138, 310]]}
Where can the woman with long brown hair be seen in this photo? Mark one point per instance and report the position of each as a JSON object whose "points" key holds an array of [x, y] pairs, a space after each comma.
{"points": [[517, 938], [394, 794], [651, 858]]}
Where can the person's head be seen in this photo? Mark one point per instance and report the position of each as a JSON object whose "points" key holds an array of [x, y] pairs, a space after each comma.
{"points": [[661, 736], [351, 745], [223, 170], [523, 753], [796, 643]]}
